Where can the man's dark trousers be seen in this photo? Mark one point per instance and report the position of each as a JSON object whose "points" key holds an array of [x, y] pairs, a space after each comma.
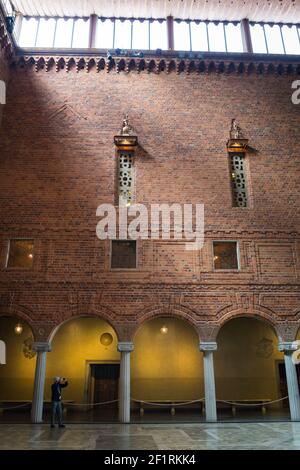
{"points": [[56, 411]]}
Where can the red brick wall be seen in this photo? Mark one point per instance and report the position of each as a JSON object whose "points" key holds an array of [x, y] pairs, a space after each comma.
{"points": [[58, 164], [4, 75]]}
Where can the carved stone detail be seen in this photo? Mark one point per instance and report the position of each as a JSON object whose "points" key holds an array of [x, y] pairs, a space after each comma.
{"points": [[155, 65]]}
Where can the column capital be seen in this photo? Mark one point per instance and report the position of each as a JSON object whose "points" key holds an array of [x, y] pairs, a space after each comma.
{"points": [[41, 347], [127, 346], [208, 346], [288, 346]]}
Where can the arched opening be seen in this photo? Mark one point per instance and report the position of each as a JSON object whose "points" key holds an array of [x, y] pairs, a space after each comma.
{"points": [[247, 371], [17, 373], [166, 369], [84, 351]]}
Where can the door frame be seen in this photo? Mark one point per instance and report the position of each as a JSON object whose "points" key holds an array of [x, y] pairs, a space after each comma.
{"points": [[89, 383]]}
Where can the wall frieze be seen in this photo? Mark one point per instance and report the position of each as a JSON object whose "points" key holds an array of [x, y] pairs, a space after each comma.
{"points": [[142, 288], [8, 229], [233, 65]]}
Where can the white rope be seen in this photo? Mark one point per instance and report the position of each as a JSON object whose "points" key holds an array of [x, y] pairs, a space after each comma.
{"points": [[65, 404], [14, 407], [203, 399], [252, 404], [142, 402], [91, 404]]}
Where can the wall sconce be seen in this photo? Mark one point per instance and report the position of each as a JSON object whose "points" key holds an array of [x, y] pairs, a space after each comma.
{"points": [[164, 330], [18, 329], [237, 141], [126, 141]]}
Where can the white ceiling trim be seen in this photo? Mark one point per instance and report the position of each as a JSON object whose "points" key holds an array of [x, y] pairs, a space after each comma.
{"points": [[255, 10]]}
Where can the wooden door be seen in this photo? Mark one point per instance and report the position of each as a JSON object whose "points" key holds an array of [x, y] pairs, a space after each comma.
{"points": [[106, 382]]}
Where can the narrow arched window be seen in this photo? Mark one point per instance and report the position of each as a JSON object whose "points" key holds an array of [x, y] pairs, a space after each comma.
{"points": [[238, 179]]}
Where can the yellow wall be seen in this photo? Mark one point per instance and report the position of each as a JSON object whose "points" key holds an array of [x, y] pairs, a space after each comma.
{"points": [[166, 366], [17, 375], [242, 369], [163, 366], [76, 342]]}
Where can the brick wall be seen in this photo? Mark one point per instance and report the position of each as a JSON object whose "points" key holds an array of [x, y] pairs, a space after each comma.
{"points": [[4, 76], [58, 164]]}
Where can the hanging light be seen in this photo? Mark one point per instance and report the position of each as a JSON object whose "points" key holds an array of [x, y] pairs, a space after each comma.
{"points": [[164, 330], [18, 329]]}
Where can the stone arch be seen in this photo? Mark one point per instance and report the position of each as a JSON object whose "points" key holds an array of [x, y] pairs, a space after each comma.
{"points": [[172, 356], [179, 312], [101, 314], [257, 313], [21, 313], [296, 326]]}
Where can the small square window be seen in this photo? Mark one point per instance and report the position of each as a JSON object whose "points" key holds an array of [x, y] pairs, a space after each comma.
{"points": [[123, 254], [20, 254], [225, 255]]}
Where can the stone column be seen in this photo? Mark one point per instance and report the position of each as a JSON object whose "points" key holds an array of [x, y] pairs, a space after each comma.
{"points": [[209, 380], [124, 390], [291, 377], [39, 381]]}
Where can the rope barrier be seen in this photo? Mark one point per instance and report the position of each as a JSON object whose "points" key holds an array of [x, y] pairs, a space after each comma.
{"points": [[142, 402], [65, 404], [15, 407], [262, 403], [92, 404]]}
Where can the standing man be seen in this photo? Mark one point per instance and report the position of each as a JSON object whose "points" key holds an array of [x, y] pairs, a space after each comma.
{"points": [[56, 387]]}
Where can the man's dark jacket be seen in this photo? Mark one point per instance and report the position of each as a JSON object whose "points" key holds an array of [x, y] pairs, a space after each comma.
{"points": [[56, 390]]}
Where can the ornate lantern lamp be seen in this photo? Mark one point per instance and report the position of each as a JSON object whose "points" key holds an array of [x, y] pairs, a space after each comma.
{"points": [[126, 140], [237, 141]]}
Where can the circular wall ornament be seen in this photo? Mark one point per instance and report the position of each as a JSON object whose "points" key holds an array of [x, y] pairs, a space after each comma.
{"points": [[106, 339]]}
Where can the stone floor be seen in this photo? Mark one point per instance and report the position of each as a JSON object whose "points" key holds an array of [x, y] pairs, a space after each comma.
{"points": [[175, 436]]}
